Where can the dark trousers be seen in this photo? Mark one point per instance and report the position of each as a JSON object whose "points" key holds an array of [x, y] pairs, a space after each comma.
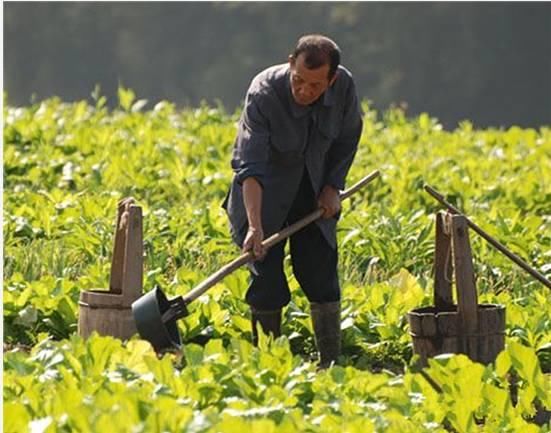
{"points": [[313, 260]]}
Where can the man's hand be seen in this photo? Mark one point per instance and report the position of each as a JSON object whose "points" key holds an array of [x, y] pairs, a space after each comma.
{"points": [[330, 201], [253, 241], [252, 197]]}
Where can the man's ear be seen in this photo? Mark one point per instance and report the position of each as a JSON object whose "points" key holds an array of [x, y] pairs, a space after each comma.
{"points": [[291, 61], [332, 80]]}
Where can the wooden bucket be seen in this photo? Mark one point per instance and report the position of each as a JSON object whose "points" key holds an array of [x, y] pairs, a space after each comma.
{"points": [[105, 313], [477, 330], [109, 312]]}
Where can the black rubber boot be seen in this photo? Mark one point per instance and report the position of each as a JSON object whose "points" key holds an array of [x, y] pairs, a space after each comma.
{"points": [[270, 321], [326, 320]]}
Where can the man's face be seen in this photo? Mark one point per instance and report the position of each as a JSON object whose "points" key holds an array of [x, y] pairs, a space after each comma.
{"points": [[307, 85]]}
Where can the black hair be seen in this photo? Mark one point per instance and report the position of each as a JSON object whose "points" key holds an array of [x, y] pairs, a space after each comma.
{"points": [[318, 50]]}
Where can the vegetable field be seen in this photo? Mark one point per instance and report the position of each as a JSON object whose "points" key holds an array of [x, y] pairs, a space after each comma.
{"points": [[66, 165]]}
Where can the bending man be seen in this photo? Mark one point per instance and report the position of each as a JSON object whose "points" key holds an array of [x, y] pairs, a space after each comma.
{"points": [[297, 138]]}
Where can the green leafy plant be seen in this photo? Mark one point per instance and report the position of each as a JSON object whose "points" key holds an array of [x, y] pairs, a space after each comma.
{"points": [[66, 165]]}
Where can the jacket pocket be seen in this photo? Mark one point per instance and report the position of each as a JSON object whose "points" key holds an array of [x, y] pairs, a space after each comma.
{"points": [[286, 158], [325, 136], [288, 141]]}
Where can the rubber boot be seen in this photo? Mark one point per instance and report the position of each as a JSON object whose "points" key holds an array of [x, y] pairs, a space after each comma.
{"points": [[326, 320], [270, 321]]}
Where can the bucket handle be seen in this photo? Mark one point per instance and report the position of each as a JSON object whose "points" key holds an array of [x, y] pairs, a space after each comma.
{"points": [[127, 264], [467, 299], [443, 266], [452, 239]]}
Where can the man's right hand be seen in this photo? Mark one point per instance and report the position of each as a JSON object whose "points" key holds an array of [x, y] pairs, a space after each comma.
{"points": [[252, 197], [253, 241]]}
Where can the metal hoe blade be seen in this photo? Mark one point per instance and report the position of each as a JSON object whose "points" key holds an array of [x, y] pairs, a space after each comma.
{"points": [[156, 317]]}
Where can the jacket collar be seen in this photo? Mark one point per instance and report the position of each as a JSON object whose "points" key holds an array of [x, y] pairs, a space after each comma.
{"points": [[329, 96]]}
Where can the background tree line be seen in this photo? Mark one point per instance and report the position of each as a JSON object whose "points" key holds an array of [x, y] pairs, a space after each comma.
{"points": [[487, 62]]}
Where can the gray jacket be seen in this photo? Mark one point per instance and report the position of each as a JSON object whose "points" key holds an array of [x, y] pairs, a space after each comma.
{"points": [[277, 139]]}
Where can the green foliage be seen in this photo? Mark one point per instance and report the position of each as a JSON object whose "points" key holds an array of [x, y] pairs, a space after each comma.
{"points": [[101, 384], [477, 398], [67, 165]]}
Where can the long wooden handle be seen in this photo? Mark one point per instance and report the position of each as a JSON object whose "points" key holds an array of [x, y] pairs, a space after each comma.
{"points": [[500, 247], [270, 241]]}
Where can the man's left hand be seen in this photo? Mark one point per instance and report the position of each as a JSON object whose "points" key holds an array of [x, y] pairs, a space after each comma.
{"points": [[330, 201]]}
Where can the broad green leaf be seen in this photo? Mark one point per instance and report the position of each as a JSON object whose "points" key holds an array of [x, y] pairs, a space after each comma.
{"points": [[193, 354], [503, 363], [16, 417]]}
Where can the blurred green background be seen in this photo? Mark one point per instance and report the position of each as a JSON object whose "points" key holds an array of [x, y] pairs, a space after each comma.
{"points": [[487, 62]]}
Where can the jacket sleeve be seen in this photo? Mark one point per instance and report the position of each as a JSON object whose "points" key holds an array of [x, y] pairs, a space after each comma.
{"points": [[251, 147], [343, 149]]}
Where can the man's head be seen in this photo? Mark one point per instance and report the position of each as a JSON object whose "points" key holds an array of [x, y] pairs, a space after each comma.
{"points": [[313, 67]]}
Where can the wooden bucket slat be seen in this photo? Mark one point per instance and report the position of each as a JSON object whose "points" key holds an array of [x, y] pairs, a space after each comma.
{"points": [[101, 297], [467, 300], [117, 263], [443, 267], [132, 283], [429, 326], [448, 324]]}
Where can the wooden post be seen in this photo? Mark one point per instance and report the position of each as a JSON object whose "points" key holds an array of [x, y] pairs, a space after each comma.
{"points": [[443, 266], [119, 248], [465, 285], [132, 279]]}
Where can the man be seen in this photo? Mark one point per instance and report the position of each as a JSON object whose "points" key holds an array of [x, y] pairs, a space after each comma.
{"points": [[297, 137]]}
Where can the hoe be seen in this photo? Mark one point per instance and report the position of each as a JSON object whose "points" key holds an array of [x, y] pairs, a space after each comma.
{"points": [[156, 315]]}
